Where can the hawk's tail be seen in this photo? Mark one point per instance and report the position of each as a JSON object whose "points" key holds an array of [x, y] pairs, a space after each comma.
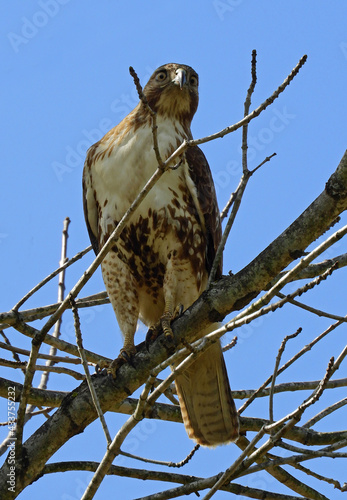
{"points": [[208, 410]]}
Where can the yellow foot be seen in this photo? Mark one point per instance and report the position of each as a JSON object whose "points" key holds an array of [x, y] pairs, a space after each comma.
{"points": [[168, 318], [165, 321], [163, 325]]}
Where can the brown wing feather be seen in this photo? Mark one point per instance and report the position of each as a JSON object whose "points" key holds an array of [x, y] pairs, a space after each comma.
{"points": [[89, 203], [200, 173]]}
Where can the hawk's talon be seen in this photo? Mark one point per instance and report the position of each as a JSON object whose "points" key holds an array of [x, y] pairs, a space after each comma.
{"points": [[125, 356], [115, 365], [152, 334], [100, 370], [128, 357]]}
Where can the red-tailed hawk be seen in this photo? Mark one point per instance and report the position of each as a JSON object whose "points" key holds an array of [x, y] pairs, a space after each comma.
{"points": [[163, 257]]}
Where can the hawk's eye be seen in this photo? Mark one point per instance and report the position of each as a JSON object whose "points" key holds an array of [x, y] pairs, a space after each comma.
{"points": [[193, 81], [161, 76]]}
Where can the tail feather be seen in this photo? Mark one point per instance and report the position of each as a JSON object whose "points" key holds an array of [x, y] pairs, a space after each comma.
{"points": [[208, 410]]}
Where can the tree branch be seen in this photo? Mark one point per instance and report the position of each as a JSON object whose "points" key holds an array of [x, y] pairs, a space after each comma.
{"points": [[165, 477]]}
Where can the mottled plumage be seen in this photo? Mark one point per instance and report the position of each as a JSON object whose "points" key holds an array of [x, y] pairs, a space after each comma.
{"points": [[163, 257]]}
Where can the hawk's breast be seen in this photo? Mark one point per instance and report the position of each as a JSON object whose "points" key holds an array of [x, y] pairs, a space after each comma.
{"points": [[168, 223]]}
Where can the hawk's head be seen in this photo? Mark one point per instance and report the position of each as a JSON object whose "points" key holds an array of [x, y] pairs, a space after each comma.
{"points": [[172, 91]]}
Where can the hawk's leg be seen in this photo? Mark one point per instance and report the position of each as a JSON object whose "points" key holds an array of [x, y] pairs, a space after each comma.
{"points": [[172, 308], [169, 289], [164, 324], [122, 292], [167, 318]]}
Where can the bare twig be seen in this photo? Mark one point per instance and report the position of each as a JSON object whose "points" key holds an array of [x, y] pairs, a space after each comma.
{"points": [[50, 369], [315, 269], [228, 473], [230, 345], [339, 360], [231, 200], [62, 345], [266, 160], [305, 349], [153, 114], [44, 411], [161, 462], [11, 318], [292, 460], [278, 359], [245, 317], [290, 420], [25, 352], [237, 196], [56, 333], [247, 105], [68, 263], [312, 399], [311, 309], [254, 113], [265, 299], [328, 480], [280, 474], [322, 414], [194, 483], [169, 393], [311, 453], [7, 346], [86, 371], [234, 200], [236, 205], [287, 387]]}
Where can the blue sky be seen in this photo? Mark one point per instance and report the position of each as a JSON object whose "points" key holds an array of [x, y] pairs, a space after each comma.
{"points": [[65, 82]]}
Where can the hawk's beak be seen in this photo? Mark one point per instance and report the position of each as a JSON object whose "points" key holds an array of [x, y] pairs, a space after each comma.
{"points": [[181, 78]]}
